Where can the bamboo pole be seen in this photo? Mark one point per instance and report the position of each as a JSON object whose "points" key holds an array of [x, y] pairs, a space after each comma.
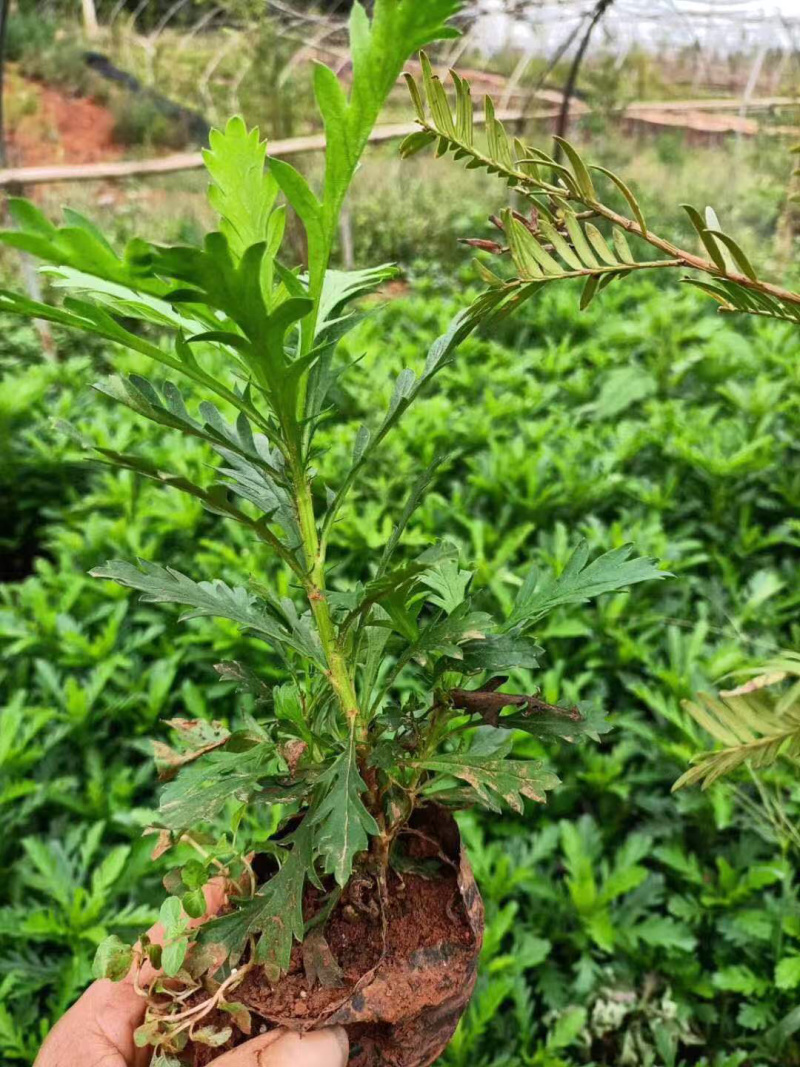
{"points": [[187, 161]]}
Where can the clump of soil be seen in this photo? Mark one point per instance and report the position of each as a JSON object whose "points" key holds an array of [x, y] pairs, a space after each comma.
{"points": [[399, 999]]}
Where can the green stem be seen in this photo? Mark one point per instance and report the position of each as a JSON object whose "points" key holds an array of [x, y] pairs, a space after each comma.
{"points": [[339, 674], [436, 731]]}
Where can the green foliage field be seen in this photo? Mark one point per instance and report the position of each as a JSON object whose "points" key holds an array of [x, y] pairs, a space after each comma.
{"points": [[625, 926]]}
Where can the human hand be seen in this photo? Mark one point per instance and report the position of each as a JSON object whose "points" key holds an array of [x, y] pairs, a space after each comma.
{"points": [[97, 1031]]}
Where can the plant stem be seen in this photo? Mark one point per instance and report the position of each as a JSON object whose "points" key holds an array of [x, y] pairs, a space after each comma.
{"points": [[339, 674], [688, 259]]}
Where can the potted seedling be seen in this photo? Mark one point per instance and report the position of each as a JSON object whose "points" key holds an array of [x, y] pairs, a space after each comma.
{"points": [[360, 909]]}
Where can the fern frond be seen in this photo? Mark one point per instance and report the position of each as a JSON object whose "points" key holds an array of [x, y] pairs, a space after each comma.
{"points": [[755, 725], [577, 248]]}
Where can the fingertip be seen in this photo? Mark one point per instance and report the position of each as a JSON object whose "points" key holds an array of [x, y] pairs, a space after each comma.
{"points": [[338, 1045], [320, 1048], [282, 1048]]}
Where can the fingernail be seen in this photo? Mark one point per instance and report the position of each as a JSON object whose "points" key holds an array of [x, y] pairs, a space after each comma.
{"points": [[321, 1048]]}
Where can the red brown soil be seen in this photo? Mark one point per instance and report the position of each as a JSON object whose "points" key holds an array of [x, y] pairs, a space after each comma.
{"points": [[399, 1001], [62, 129], [422, 914]]}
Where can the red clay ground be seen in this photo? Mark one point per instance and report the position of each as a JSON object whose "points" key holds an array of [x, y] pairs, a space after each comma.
{"points": [[49, 126]]}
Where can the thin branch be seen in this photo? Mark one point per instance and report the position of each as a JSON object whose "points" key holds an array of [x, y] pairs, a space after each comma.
{"points": [[563, 118], [489, 704]]}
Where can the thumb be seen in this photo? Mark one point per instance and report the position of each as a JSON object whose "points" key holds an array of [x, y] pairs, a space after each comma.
{"points": [[284, 1048]]}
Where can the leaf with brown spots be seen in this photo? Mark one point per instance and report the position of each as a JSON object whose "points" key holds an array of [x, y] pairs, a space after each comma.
{"points": [[196, 737], [493, 779]]}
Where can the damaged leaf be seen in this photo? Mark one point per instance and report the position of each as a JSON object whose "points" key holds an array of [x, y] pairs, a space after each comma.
{"points": [[113, 959], [241, 1016], [210, 1036], [202, 788], [196, 737], [318, 962], [493, 779]]}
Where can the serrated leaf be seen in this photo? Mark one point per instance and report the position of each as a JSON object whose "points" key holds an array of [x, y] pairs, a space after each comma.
{"points": [[242, 192], [547, 720], [448, 636], [195, 737], [341, 288], [320, 966], [297, 191], [378, 47], [580, 581], [495, 779], [246, 679], [448, 584], [739, 978], [397, 582], [203, 788], [787, 973], [757, 1016], [274, 914], [163, 585], [340, 821], [498, 652]]}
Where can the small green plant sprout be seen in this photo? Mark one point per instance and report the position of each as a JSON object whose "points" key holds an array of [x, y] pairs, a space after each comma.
{"points": [[324, 812], [559, 237], [756, 724]]}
